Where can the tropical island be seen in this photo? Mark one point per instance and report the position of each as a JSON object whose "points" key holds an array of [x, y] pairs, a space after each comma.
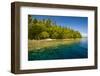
{"points": [[46, 33], [44, 29]]}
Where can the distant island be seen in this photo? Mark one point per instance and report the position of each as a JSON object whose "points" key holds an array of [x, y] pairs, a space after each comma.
{"points": [[48, 29]]}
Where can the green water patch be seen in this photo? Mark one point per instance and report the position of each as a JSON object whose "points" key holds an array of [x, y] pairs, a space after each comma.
{"points": [[62, 51]]}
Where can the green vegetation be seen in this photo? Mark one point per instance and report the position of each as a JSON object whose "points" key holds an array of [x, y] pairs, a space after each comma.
{"points": [[43, 29]]}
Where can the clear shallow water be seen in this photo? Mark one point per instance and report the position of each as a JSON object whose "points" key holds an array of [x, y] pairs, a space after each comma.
{"points": [[75, 50]]}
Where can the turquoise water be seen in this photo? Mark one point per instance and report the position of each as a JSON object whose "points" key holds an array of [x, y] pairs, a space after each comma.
{"points": [[75, 50]]}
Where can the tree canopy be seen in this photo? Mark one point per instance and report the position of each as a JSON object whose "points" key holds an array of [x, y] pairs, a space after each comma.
{"points": [[43, 29]]}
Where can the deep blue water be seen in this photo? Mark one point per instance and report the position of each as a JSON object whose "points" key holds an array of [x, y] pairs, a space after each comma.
{"points": [[75, 50]]}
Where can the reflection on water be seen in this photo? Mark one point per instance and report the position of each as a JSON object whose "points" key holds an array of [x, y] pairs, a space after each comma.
{"points": [[75, 50]]}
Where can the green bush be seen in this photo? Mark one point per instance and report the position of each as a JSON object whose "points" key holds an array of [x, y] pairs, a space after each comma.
{"points": [[44, 35], [54, 35]]}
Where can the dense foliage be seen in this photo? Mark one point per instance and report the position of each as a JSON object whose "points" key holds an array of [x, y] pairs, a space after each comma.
{"points": [[43, 29]]}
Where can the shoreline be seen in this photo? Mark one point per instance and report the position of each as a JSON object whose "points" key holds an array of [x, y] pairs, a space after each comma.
{"points": [[38, 44], [55, 39]]}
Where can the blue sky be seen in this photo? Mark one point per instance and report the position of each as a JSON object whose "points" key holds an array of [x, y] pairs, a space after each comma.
{"points": [[77, 23]]}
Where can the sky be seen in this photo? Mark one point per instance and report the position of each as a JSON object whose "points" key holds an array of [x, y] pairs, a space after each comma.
{"points": [[77, 23]]}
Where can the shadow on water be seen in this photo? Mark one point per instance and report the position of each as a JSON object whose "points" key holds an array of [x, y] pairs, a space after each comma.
{"points": [[75, 50]]}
